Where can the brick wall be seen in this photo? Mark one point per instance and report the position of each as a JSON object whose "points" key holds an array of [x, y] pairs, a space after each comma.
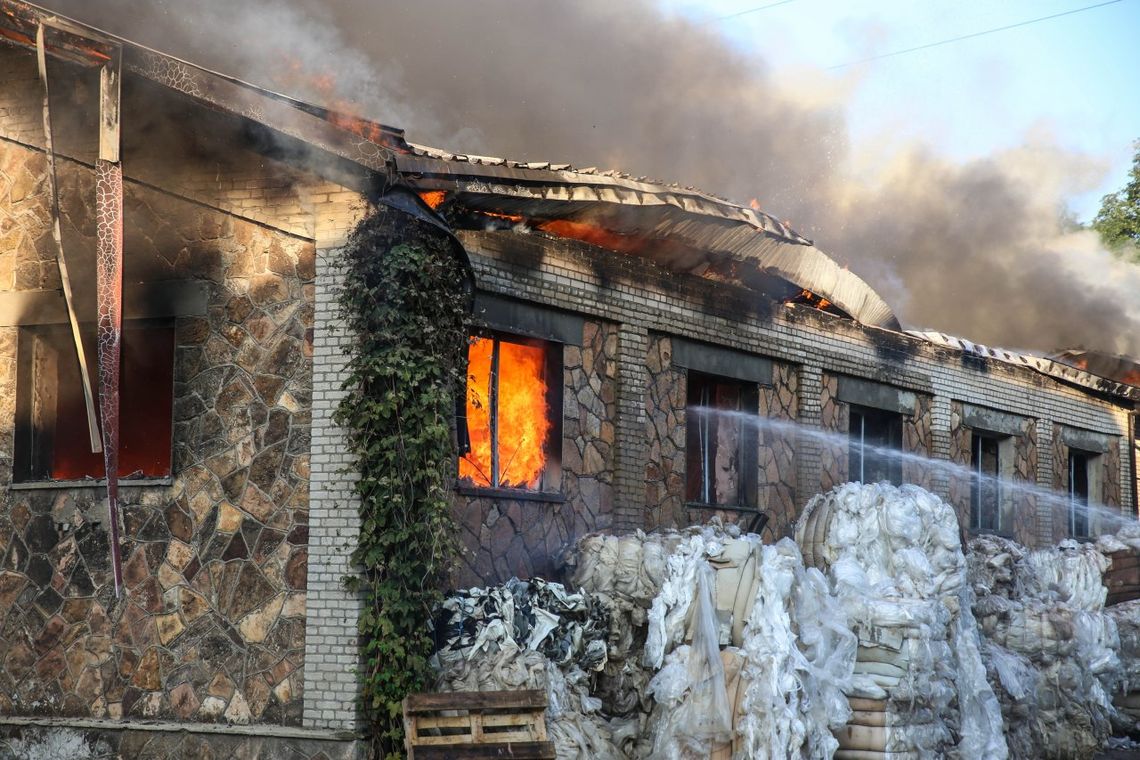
{"points": [[644, 299], [331, 651]]}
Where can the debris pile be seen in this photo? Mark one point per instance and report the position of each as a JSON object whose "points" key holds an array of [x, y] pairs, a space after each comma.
{"points": [[897, 565], [1050, 647], [533, 635], [874, 636]]}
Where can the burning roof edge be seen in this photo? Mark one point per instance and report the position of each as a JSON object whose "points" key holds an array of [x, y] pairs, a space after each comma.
{"points": [[752, 236], [1055, 369]]}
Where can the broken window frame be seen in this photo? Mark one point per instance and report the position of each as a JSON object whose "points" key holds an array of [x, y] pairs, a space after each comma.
{"points": [[886, 428], [38, 398], [701, 429], [549, 486]]}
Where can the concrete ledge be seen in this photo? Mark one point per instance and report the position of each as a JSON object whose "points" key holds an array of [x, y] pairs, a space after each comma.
{"points": [[25, 738], [227, 729]]}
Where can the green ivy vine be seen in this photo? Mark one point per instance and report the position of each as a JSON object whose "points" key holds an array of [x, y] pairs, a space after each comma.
{"points": [[406, 304]]}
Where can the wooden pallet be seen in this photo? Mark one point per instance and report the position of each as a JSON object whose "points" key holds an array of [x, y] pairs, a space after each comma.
{"points": [[477, 724]]}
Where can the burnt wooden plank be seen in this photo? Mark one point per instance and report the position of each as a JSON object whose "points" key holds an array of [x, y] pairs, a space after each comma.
{"points": [[528, 699], [513, 750]]}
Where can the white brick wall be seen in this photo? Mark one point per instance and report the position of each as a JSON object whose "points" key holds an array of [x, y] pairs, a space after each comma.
{"points": [[331, 643]]}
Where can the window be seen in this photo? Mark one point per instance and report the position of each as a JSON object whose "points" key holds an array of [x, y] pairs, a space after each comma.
{"points": [[875, 436], [986, 486], [721, 441], [510, 427], [991, 495], [52, 441], [1079, 493]]}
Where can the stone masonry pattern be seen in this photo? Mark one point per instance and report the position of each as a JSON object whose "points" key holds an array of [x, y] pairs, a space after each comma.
{"points": [[211, 625], [665, 402], [665, 398], [778, 450], [1024, 506], [502, 537], [835, 420]]}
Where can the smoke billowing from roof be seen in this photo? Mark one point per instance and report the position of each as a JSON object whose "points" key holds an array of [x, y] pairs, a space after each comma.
{"points": [[978, 249]]}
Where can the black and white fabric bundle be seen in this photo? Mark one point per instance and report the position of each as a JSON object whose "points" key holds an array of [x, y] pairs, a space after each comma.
{"points": [[537, 615]]}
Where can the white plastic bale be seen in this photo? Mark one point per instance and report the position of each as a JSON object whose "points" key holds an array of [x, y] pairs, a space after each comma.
{"points": [[894, 558], [794, 697]]}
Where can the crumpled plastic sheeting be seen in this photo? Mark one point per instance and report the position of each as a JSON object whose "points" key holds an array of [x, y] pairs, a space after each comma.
{"points": [[692, 712], [1071, 568], [1127, 537], [534, 635], [799, 660], [796, 652], [625, 572], [1050, 648], [896, 562]]}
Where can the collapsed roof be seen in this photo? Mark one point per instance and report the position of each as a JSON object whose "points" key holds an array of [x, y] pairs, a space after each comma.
{"points": [[680, 228]]}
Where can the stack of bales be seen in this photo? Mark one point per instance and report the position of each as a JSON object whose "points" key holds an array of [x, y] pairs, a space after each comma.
{"points": [[1050, 647], [733, 648], [895, 559]]}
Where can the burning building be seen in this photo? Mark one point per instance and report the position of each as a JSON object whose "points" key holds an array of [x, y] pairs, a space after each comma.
{"points": [[647, 356]]}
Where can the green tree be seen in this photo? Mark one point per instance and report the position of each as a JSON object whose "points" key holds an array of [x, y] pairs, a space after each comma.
{"points": [[1118, 220]]}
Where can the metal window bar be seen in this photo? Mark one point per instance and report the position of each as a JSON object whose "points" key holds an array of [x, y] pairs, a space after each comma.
{"points": [[493, 403], [703, 429]]}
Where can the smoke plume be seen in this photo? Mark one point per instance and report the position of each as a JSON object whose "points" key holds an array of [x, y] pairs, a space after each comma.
{"points": [[978, 249]]}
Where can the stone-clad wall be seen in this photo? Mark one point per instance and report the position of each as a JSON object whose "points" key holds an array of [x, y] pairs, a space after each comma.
{"points": [[835, 420], [918, 439], [665, 469], [1025, 472], [777, 460], [1024, 501], [211, 625], [1109, 483], [665, 401], [502, 537]]}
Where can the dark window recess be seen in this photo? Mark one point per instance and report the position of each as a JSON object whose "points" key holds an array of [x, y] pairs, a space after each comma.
{"points": [[875, 443], [52, 442], [721, 438], [510, 424], [985, 494], [1078, 494]]}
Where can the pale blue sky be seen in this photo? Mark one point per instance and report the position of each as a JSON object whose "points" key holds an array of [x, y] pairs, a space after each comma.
{"points": [[1074, 78]]}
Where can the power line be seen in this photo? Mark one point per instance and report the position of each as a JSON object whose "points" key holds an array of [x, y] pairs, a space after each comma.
{"points": [[752, 10], [971, 35]]}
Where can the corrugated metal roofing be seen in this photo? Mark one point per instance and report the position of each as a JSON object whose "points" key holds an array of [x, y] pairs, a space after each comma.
{"points": [[1044, 365]]}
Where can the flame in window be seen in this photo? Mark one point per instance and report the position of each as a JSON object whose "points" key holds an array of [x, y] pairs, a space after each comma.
{"points": [[507, 416]]}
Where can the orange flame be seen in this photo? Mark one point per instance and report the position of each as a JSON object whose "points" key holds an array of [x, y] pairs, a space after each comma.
{"points": [[593, 234], [516, 218], [340, 112], [521, 415], [433, 198], [810, 298]]}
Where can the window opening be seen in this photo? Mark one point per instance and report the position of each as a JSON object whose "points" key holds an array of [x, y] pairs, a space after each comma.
{"points": [[986, 489], [511, 414], [875, 435], [721, 441], [1078, 494], [50, 445]]}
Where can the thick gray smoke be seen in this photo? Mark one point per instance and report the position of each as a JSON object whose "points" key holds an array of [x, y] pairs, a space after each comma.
{"points": [[978, 249]]}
